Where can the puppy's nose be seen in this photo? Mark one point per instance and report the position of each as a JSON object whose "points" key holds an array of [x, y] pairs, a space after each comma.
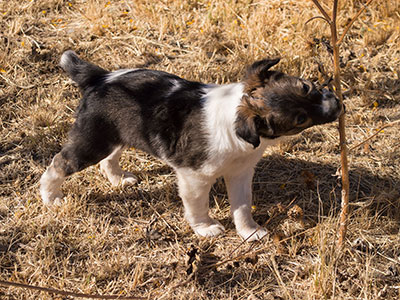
{"points": [[328, 94]]}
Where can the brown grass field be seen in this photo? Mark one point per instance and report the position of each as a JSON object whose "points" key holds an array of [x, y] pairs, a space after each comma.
{"points": [[134, 241]]}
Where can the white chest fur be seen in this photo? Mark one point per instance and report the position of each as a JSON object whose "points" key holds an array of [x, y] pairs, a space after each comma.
{"points": [[227, 152]]}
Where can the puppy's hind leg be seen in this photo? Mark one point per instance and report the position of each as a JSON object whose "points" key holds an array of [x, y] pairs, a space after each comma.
{"points": [[51, 180], [194, 192], [110, 168], [84, 148]]}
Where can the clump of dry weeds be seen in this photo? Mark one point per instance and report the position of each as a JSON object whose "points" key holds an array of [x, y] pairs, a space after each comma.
{"points": [[134, 241]]}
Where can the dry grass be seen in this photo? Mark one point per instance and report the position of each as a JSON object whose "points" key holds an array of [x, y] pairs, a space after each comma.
{"points": [[134, 241]]}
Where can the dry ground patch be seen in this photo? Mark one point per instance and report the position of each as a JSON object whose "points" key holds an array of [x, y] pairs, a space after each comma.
{"points": [[134, 241]]}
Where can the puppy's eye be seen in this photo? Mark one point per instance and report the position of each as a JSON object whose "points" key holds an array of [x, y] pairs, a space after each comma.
{"points": [[306, 88], [301, 119]]}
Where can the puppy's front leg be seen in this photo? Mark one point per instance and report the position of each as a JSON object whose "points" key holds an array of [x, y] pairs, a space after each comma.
{"points": [[240, 196], [194, 191]]}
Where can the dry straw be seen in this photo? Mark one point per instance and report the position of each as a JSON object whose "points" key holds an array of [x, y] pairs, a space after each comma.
{"points": [[133, 241]]}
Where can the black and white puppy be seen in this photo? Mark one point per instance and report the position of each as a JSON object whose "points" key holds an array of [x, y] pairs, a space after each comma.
{"points": [[202, 131]]}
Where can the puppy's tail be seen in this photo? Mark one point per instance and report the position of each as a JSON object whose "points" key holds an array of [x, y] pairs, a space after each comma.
{"points": [[82, 72]]}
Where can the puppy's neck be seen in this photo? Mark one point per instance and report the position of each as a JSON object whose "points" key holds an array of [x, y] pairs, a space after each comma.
{"points": [[221, 104]]}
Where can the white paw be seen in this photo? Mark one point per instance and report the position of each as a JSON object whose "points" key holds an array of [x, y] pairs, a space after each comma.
{"points": [[253, 234], [50, 199], [58, 201], [208, 229], [128, 179]]}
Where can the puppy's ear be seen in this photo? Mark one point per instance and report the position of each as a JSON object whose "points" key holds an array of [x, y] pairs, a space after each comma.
{"points": [[246, 129], [257, 73], [246, 123]]}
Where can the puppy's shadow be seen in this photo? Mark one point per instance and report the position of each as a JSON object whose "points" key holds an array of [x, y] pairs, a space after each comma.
{"points": [[316, 187]]}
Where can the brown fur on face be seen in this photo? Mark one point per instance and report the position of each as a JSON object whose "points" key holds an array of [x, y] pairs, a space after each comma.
{"points": [[257, 73], [275, 104], [253, 110], [250, 114]]}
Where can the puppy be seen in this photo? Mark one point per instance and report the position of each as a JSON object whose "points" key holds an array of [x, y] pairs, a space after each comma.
{"points": [[202, 131]]}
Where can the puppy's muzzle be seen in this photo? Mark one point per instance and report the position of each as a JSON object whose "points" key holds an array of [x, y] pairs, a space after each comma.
{"points": [[331, 108]]}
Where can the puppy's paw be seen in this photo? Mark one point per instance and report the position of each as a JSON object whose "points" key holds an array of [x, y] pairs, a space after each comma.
{"points": [[253, 234], [52, 199], [58, 201], [128, 179], [211, 229]]}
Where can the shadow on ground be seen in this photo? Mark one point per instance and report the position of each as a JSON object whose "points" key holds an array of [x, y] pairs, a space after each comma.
{"points": [[315, 187]]}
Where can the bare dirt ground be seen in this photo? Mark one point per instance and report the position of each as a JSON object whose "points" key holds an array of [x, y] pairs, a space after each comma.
{"points": [[134, 241]]}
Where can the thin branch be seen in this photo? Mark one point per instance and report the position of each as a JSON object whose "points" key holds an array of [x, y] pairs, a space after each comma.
{"points": [[322, 10], [352, 21], [334, 12], [318, 17], [59, 292], [379, 130], [342, 131]]}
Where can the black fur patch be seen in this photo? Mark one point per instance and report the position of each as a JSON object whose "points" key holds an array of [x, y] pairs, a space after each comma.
{"points": [[152, 111]]}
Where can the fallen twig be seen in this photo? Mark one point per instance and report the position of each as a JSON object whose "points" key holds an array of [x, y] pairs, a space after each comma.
{"points": [[65, 293], [379, 130]]}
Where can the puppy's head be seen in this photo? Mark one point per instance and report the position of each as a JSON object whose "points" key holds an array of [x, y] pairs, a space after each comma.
{"points": [[275, 104]]}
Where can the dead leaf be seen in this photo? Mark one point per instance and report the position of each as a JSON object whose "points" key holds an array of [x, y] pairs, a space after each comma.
{"points": [[192, 260], [281, 208], [296, 213]]}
